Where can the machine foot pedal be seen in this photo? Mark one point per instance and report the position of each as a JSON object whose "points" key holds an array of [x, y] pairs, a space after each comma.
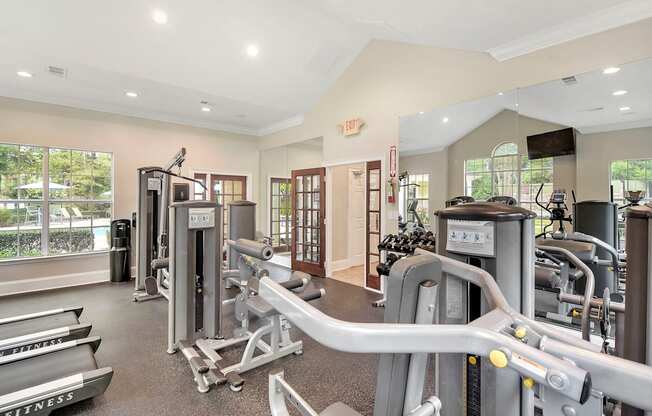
{"points": [[151, 287]]}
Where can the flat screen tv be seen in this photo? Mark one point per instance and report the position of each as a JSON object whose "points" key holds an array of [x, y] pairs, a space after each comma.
{"points": [[553, 143]]}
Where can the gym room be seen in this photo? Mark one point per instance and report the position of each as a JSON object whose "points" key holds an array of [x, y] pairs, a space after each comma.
{"points": [[326, 208]]}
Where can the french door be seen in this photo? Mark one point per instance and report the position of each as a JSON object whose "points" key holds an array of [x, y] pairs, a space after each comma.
{"points": [[281, 214], [308, 207], [223, 189], [374, 203]]}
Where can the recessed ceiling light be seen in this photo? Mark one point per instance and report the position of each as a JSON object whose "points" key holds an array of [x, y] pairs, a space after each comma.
{"points": [[444, 120], [626, 108], [159, 16], [206, 109], [611, 70], [619, 92], [500, 93], [24, 74], [131, 94], [252, 51], [421, 112]]}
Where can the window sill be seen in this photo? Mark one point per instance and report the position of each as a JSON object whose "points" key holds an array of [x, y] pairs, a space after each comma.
{"points": [[59, 257]]}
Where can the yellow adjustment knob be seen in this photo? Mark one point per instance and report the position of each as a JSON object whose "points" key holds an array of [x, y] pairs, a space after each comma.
{"points": [[473, 360], [528, 383], [520, 332], [498, 358], [576, 313]]}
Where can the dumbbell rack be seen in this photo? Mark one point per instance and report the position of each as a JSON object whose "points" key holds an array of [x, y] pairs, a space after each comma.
{"points": [[396, 246]]}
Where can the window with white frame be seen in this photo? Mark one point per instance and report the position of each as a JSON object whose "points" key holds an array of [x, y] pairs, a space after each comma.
{"points": [[629, 175], [507, 173], [70, 212], [416, 188]]}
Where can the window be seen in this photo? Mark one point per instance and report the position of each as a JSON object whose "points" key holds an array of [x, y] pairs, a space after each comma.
{"points": [[506, 173], [69, 213], [281, 213], [629, 175], [416, 188]]}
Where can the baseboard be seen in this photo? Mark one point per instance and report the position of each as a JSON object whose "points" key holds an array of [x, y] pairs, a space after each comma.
{"points": [[14, 287], [337, 265]]}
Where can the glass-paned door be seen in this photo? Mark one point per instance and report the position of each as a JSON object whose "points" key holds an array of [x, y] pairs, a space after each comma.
{"points": [[308, 207], [223, 189], [281, 214], [374, 203]]}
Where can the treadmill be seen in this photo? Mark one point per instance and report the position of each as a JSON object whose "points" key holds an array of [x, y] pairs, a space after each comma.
{"points": [[37, 330], [39, 381]]}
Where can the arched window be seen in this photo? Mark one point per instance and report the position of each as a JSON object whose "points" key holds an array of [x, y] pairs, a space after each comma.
{"points": [[508, 173]]}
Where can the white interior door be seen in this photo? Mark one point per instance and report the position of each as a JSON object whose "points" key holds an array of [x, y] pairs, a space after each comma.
{"points": [[356, 217]]}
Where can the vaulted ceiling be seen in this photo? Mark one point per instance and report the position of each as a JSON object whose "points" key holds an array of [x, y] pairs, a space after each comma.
{"points": [[201, 54]]}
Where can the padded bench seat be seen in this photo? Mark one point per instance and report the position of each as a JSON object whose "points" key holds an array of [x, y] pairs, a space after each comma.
{"points": [[339, 409], [584, 251]]}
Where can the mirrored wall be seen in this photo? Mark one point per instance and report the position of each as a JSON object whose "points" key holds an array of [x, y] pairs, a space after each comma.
{"points": [[480, 148], [275, 198]]}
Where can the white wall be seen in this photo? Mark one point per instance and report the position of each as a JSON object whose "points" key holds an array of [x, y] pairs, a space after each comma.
{"points": [[436, 165], [134, 143]]}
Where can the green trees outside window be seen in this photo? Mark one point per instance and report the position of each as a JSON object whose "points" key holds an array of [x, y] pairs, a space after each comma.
{"points": [[506, 173], [70, 212]]}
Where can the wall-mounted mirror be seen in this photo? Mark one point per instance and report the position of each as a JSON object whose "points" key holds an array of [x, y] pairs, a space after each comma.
{"points": [[275, 197], [437, 143]]}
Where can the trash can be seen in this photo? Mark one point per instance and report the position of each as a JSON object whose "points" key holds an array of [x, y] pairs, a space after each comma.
{"points": [[119, 256]]}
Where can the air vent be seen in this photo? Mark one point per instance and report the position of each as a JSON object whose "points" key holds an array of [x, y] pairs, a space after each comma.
{"points": [[57, 71], [590, 110], [569, 80], [204, 102]]}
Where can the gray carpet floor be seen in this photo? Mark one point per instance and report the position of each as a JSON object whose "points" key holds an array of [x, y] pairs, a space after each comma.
{"points": [[148, 381]]}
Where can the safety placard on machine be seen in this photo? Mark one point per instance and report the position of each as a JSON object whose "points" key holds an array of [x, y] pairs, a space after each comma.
{"points": [[471, 237], [154, 184], [201, 218]]}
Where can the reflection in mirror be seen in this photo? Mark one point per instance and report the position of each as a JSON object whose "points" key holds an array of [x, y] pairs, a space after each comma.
{"points": [[275, 198], [610, 111], [465, 139]]}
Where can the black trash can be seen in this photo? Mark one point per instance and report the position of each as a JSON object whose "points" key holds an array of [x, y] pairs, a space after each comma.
{"points": [[119, 256]]}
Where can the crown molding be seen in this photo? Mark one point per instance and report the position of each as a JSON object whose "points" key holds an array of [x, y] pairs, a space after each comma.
{"points": [[281, 125], [600, 21], [605, 128]]}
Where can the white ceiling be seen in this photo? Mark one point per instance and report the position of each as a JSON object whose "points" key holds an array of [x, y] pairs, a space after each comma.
{"points": [[429, 132], [588, 105], [109, 47]]}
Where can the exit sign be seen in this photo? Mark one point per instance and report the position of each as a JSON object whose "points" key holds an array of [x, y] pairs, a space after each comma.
{"points": [[352, 126]]}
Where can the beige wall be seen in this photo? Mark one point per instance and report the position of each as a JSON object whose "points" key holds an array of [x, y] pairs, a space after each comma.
{"points": [[391, 79], [134, 143], [436, 165], [595, 152], [507, 126], [279, 162]]}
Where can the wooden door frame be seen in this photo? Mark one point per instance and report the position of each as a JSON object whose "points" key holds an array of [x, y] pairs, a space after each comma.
{"points": [[314, 269], [249, 194], [329, 209]]}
